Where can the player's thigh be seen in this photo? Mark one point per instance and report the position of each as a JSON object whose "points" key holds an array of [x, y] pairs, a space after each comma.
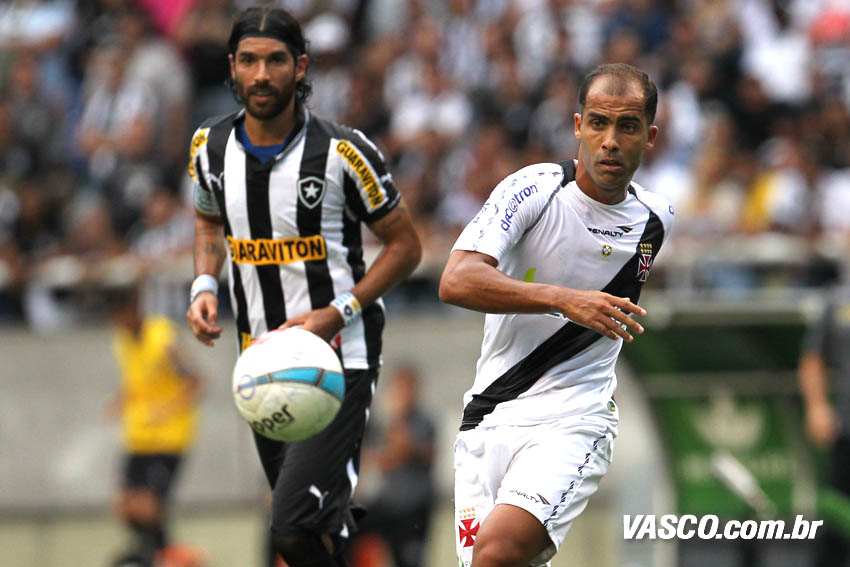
{"points": [[318, 475], [555, 474]]}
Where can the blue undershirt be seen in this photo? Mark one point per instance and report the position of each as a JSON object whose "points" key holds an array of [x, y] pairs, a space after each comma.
{"points": [[262, 153]]}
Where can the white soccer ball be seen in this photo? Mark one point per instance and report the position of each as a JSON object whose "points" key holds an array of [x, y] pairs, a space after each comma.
{"points": [[288, 384]]}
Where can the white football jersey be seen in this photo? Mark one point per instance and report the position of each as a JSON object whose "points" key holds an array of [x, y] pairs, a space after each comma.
{"points": [[539, 367]]}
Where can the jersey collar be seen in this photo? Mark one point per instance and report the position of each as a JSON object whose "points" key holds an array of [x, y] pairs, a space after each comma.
{"points": [[302, 117]]}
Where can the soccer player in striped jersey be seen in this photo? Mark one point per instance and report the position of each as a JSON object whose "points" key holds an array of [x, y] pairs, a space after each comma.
{"points": [[280, 197], [556, 258]]}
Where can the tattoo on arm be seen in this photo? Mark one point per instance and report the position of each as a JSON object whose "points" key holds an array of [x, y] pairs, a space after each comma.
{"points": [[391, 219], [213, 248], [209, 247]]}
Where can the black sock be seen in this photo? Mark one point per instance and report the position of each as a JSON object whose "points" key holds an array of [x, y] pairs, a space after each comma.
{"points": [[305, 550]]}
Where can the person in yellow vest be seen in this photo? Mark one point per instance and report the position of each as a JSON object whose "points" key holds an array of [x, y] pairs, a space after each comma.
{"points": [[157, 404]]}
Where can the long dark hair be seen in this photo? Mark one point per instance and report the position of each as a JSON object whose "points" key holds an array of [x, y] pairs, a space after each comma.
{"points": [[275, 23]]}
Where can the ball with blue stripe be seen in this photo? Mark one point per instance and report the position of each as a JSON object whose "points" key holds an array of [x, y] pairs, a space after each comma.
{"points": [[288, 384]]}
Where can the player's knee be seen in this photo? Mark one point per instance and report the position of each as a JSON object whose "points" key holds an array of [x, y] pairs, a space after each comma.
{"points": [[493, 552], [142, 506]]}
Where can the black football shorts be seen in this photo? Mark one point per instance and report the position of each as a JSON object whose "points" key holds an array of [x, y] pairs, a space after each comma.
{"points": [[154, 471]]}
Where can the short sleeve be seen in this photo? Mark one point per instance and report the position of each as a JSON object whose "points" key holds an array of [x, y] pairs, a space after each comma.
{"points": [[202, 196], [369, 188], [513, 208]]}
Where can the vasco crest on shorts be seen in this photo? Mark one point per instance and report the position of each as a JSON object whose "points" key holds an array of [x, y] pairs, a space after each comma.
{"points": [[310, 191]]}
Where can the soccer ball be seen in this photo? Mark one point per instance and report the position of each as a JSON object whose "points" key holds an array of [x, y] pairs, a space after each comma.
{"points": [[288, 384]]}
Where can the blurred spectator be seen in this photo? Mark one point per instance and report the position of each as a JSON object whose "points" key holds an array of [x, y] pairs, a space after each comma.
{"points": [[202, 36], [437, 106], [36, 120], [155, 63], [551, 124], [331, 77], [485, 159], [786, 195], [117, 132], [30, 232], [404, 451], [16, 159], [648, 21], [775, 53], [159, 241], [40, 25], [462, 53]]}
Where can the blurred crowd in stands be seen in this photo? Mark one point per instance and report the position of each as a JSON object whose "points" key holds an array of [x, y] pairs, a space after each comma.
{"points": [[100, 98]]}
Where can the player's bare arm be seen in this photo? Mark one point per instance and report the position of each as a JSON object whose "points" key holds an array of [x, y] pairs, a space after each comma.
{"points": [[821, 421], [472, 280], [209, 255], [398, 258]]}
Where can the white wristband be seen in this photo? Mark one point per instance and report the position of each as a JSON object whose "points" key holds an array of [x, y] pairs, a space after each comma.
{"points": [[204, 282], [348, 307]]}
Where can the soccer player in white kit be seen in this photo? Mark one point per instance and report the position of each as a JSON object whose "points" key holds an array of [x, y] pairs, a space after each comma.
{"points": [[556, 258]]}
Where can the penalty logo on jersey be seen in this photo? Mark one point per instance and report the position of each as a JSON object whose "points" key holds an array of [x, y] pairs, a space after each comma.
{"points": [[310, 191], [467, 529]]}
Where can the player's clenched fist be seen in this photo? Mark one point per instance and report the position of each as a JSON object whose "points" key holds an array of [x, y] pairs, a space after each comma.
{"points": [[203, 318], [602, 312]]}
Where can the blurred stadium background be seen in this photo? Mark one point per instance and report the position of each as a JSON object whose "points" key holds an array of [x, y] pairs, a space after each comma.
{"points": [[99, 99]]}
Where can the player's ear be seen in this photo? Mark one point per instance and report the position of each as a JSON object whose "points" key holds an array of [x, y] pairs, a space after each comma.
{"points": [[300, 67], [650, 140], [232, 62], [577, 125]]}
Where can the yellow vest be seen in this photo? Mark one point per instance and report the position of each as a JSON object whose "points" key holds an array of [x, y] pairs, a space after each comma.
{"points": [[156, 417]]}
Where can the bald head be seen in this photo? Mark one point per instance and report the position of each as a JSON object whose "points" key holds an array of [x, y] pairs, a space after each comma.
{"points": [[619, 79]]}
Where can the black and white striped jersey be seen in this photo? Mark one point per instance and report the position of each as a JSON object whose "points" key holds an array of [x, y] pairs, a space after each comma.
{"points": [[541, 227], [293, 224]]}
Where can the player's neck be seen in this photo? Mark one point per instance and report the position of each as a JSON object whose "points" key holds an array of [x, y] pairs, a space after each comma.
{"points": [[606, 196], [272, 131]]}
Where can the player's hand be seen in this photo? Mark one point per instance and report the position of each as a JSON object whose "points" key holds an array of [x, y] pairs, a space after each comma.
{"points": [[325, 322], [203, 318], [821, 424], [603, 312]]}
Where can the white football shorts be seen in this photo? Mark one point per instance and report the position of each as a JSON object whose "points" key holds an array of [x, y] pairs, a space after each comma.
{"points": [[549, 470]]}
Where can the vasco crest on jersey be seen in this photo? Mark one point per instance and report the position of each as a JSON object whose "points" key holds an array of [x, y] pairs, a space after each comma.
{"points": [[644, 261], [310, 191]]}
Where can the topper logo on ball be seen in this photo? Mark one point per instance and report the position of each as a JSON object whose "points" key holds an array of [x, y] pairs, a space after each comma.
{"points": [[276, 419]]}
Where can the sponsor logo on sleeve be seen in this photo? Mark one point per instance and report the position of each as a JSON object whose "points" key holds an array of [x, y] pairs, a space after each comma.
{"points": [[198, 140], [369, 185], [514, 203]]}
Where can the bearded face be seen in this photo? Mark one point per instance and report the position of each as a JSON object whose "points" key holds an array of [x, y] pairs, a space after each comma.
{"points": [[265, 75]]}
